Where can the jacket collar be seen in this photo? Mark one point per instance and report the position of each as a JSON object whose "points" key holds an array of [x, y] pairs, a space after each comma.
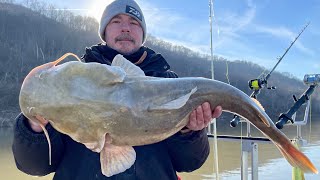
{"points": [[104, 54], [145, 57]]}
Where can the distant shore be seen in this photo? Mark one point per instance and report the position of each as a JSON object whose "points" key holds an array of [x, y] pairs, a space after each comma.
{"points": [[7, 118], [6, 123]]}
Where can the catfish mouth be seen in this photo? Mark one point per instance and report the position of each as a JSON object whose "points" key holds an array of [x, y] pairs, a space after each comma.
{"points": [[38, 71]]}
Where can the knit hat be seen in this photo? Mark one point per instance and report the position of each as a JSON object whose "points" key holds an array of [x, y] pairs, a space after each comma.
{"points": [[128, 7]]}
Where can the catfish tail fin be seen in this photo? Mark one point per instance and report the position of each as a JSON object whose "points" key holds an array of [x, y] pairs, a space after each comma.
{"points": [[296, 158]]}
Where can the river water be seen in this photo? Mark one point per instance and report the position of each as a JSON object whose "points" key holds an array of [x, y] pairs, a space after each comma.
{"points": [[272, 166]]}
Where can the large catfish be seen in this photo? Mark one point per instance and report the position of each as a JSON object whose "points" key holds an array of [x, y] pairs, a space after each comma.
{"points": [[109, 109]]}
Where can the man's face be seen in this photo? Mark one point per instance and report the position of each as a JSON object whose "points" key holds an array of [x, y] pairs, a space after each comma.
{"points": [[124, 34]]}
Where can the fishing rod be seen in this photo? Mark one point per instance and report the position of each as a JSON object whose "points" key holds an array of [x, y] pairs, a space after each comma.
{"points": [[257, 84], [309, 79]]}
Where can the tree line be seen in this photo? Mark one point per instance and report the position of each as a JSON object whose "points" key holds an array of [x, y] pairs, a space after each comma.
{"points": [[35, 33]]}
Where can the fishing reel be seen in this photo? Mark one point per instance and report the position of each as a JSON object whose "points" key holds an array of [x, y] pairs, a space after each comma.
{"points": [[235, 121], [257, 84], [311, 79]]}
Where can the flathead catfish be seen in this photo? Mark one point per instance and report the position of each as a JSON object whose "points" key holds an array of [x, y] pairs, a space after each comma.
{"points": [[109, 109]]}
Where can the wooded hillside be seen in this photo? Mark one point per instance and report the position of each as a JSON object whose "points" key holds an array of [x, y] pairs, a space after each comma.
{"points": [[30, 37]]}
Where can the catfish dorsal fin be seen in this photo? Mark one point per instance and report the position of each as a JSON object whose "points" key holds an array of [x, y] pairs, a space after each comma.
{"points": [[127, 66]]}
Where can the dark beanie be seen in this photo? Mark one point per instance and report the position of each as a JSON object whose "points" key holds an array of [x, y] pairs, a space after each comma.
{"points": [[128, 7]]}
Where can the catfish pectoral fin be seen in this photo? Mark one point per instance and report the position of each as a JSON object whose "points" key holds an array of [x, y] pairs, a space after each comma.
{"points": [[116, 159], [175, 103]]}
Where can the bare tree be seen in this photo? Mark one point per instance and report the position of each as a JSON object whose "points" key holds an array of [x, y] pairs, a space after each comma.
{"points": [[7, 1]]}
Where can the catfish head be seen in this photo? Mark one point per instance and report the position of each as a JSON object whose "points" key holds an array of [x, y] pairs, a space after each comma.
{"points": [[28, 86]]}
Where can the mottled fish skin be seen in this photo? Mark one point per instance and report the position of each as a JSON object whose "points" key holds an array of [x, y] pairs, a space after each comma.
{"points": [[89, 100]]}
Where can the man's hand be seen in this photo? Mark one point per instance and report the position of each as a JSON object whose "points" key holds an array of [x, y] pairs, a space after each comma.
{"points": [[202, 115], [35, 126]]}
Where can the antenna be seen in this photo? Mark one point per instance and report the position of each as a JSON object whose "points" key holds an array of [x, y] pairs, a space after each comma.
{"points": [[214, 122], [211, 36]]}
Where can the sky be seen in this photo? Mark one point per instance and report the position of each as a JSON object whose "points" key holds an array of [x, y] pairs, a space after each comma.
{"points": [[257, 31]]}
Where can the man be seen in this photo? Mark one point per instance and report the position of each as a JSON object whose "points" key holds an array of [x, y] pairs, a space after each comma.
{"points": [[123, 29]]}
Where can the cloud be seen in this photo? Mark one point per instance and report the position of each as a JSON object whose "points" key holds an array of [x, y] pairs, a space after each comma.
{"points": [[158, 19], [169, 24], [284, 33], [231, 25], [232, 22]]}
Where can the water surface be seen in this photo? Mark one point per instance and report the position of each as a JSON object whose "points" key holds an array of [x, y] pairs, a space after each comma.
{"points": [[272, 165]]}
